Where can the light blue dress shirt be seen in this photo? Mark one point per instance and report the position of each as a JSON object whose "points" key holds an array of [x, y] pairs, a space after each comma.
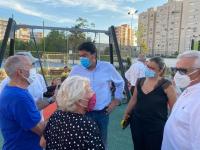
{"points": [[100, 80]]}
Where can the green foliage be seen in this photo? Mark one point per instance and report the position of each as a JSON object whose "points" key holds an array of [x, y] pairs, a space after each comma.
{"points": [[55, 42], [78, 37], [141, 42]]}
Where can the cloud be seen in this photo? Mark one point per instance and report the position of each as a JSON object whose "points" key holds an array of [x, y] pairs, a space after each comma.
{"points": [[32, 12], [94, 5]]}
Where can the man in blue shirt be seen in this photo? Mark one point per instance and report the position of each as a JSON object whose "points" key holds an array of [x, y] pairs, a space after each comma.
{"points": [[101, 74], [19, 118]]}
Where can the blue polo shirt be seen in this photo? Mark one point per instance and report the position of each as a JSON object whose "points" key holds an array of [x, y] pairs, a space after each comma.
{"points": [[18, 115]]}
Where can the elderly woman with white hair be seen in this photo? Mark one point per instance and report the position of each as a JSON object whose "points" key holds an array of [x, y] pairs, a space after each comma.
{"points": [[68, 128]]}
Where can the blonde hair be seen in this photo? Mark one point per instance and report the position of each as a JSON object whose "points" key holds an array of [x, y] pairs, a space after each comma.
{"points": [[72, 89]]}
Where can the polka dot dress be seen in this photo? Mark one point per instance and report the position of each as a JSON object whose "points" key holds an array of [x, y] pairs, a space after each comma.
{"points": [[71, 131]]}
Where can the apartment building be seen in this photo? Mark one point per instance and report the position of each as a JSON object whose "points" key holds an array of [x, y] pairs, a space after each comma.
{"points": [[125, 35], [162, 27], [3, 24], [38, 36], [167, 28], [190, 28], [23, 34]]}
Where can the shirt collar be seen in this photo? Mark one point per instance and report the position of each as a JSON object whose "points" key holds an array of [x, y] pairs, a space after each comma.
{"points": [[192, 88]]}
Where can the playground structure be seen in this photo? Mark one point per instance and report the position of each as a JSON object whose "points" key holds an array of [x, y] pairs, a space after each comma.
{"points": [[12, 26]]}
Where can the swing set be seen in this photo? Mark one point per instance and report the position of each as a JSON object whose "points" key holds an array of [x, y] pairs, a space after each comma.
{"points": [[12, 27]]}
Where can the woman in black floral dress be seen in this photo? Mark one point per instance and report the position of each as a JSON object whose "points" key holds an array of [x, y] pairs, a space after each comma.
{"points": [[68, 128]]}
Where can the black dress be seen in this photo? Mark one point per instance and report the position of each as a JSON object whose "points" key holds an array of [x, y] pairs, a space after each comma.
{"points": [[149, 116], [71, 131]]}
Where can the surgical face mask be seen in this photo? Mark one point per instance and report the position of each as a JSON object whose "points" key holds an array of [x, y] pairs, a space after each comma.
{"points": [[91, 103], [85, 62], [32, 76], [182, 80], [149, 73]]}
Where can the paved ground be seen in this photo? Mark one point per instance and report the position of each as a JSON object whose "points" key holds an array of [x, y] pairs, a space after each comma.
{"points": [[118, 139]]}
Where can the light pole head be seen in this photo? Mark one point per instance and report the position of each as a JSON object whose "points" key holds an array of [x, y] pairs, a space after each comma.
{"points": [[132, 12]]}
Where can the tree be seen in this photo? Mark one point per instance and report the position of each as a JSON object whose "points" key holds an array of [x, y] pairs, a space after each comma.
{"points": [[78, 37], [143, 47], [142, 43]]}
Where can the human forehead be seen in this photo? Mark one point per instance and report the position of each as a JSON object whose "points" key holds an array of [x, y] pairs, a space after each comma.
{"points": [[185, 62], [26, 62], [84, 53], [152, 64]]}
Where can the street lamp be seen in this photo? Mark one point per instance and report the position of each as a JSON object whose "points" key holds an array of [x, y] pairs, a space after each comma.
{"points": [[132, 12]]}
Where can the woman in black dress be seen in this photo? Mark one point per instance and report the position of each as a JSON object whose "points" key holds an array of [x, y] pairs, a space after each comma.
{"points": [[68, 128], [148, 107]]}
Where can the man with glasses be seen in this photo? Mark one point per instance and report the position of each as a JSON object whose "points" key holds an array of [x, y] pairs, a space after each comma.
{"points": [[182, 130]]}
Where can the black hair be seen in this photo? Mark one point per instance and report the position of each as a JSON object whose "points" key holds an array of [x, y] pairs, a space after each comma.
{"points": [[160, 62], [88, 46]]}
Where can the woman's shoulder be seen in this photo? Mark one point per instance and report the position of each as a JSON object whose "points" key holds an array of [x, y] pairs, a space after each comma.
{"points": [[165, 83]]}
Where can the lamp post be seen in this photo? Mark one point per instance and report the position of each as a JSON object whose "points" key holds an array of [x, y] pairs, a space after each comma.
{"points": [[132, 12]]}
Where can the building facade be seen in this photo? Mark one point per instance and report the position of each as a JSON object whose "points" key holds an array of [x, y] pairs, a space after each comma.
{"points": [[190, 28], [168, 28], [3, 24], [38, 36], [162, 27], [23, 34], [125, 35]]}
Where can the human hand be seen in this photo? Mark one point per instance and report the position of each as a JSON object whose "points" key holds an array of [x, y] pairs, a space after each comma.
{"points": [[112, 105], [125, 121]]}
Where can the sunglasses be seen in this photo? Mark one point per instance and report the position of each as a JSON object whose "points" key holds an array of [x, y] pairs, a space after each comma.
{"points": [[182, 71]]}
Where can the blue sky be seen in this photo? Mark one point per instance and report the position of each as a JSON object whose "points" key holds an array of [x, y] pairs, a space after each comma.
{"points": [[103, 13]]}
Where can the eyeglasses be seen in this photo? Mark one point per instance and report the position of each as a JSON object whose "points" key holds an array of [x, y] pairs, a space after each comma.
{"points": [[182, 71]]}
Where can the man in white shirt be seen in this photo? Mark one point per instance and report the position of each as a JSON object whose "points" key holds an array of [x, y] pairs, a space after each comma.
{"points": [[137, 70], [182, 131]]}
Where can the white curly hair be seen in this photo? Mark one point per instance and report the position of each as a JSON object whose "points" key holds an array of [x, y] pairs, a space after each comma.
{"points": [[72, 89]]}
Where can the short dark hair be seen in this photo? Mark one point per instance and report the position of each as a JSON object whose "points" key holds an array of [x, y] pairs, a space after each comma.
{"points": [[88, 46]]}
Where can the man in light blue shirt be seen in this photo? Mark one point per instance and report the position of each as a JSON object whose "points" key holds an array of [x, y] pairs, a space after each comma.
{"points": [[101, 74]]}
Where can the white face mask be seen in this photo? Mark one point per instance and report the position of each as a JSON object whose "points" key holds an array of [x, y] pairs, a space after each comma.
{"points": [[32, 75], [182, 81]]}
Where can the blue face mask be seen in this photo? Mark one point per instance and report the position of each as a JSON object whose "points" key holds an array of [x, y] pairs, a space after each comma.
{"points": [[149, 73], [85, 62]]}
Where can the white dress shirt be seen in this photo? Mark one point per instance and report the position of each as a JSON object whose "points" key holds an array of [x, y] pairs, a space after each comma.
{"points": [[137, 70], [182, 130]]}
